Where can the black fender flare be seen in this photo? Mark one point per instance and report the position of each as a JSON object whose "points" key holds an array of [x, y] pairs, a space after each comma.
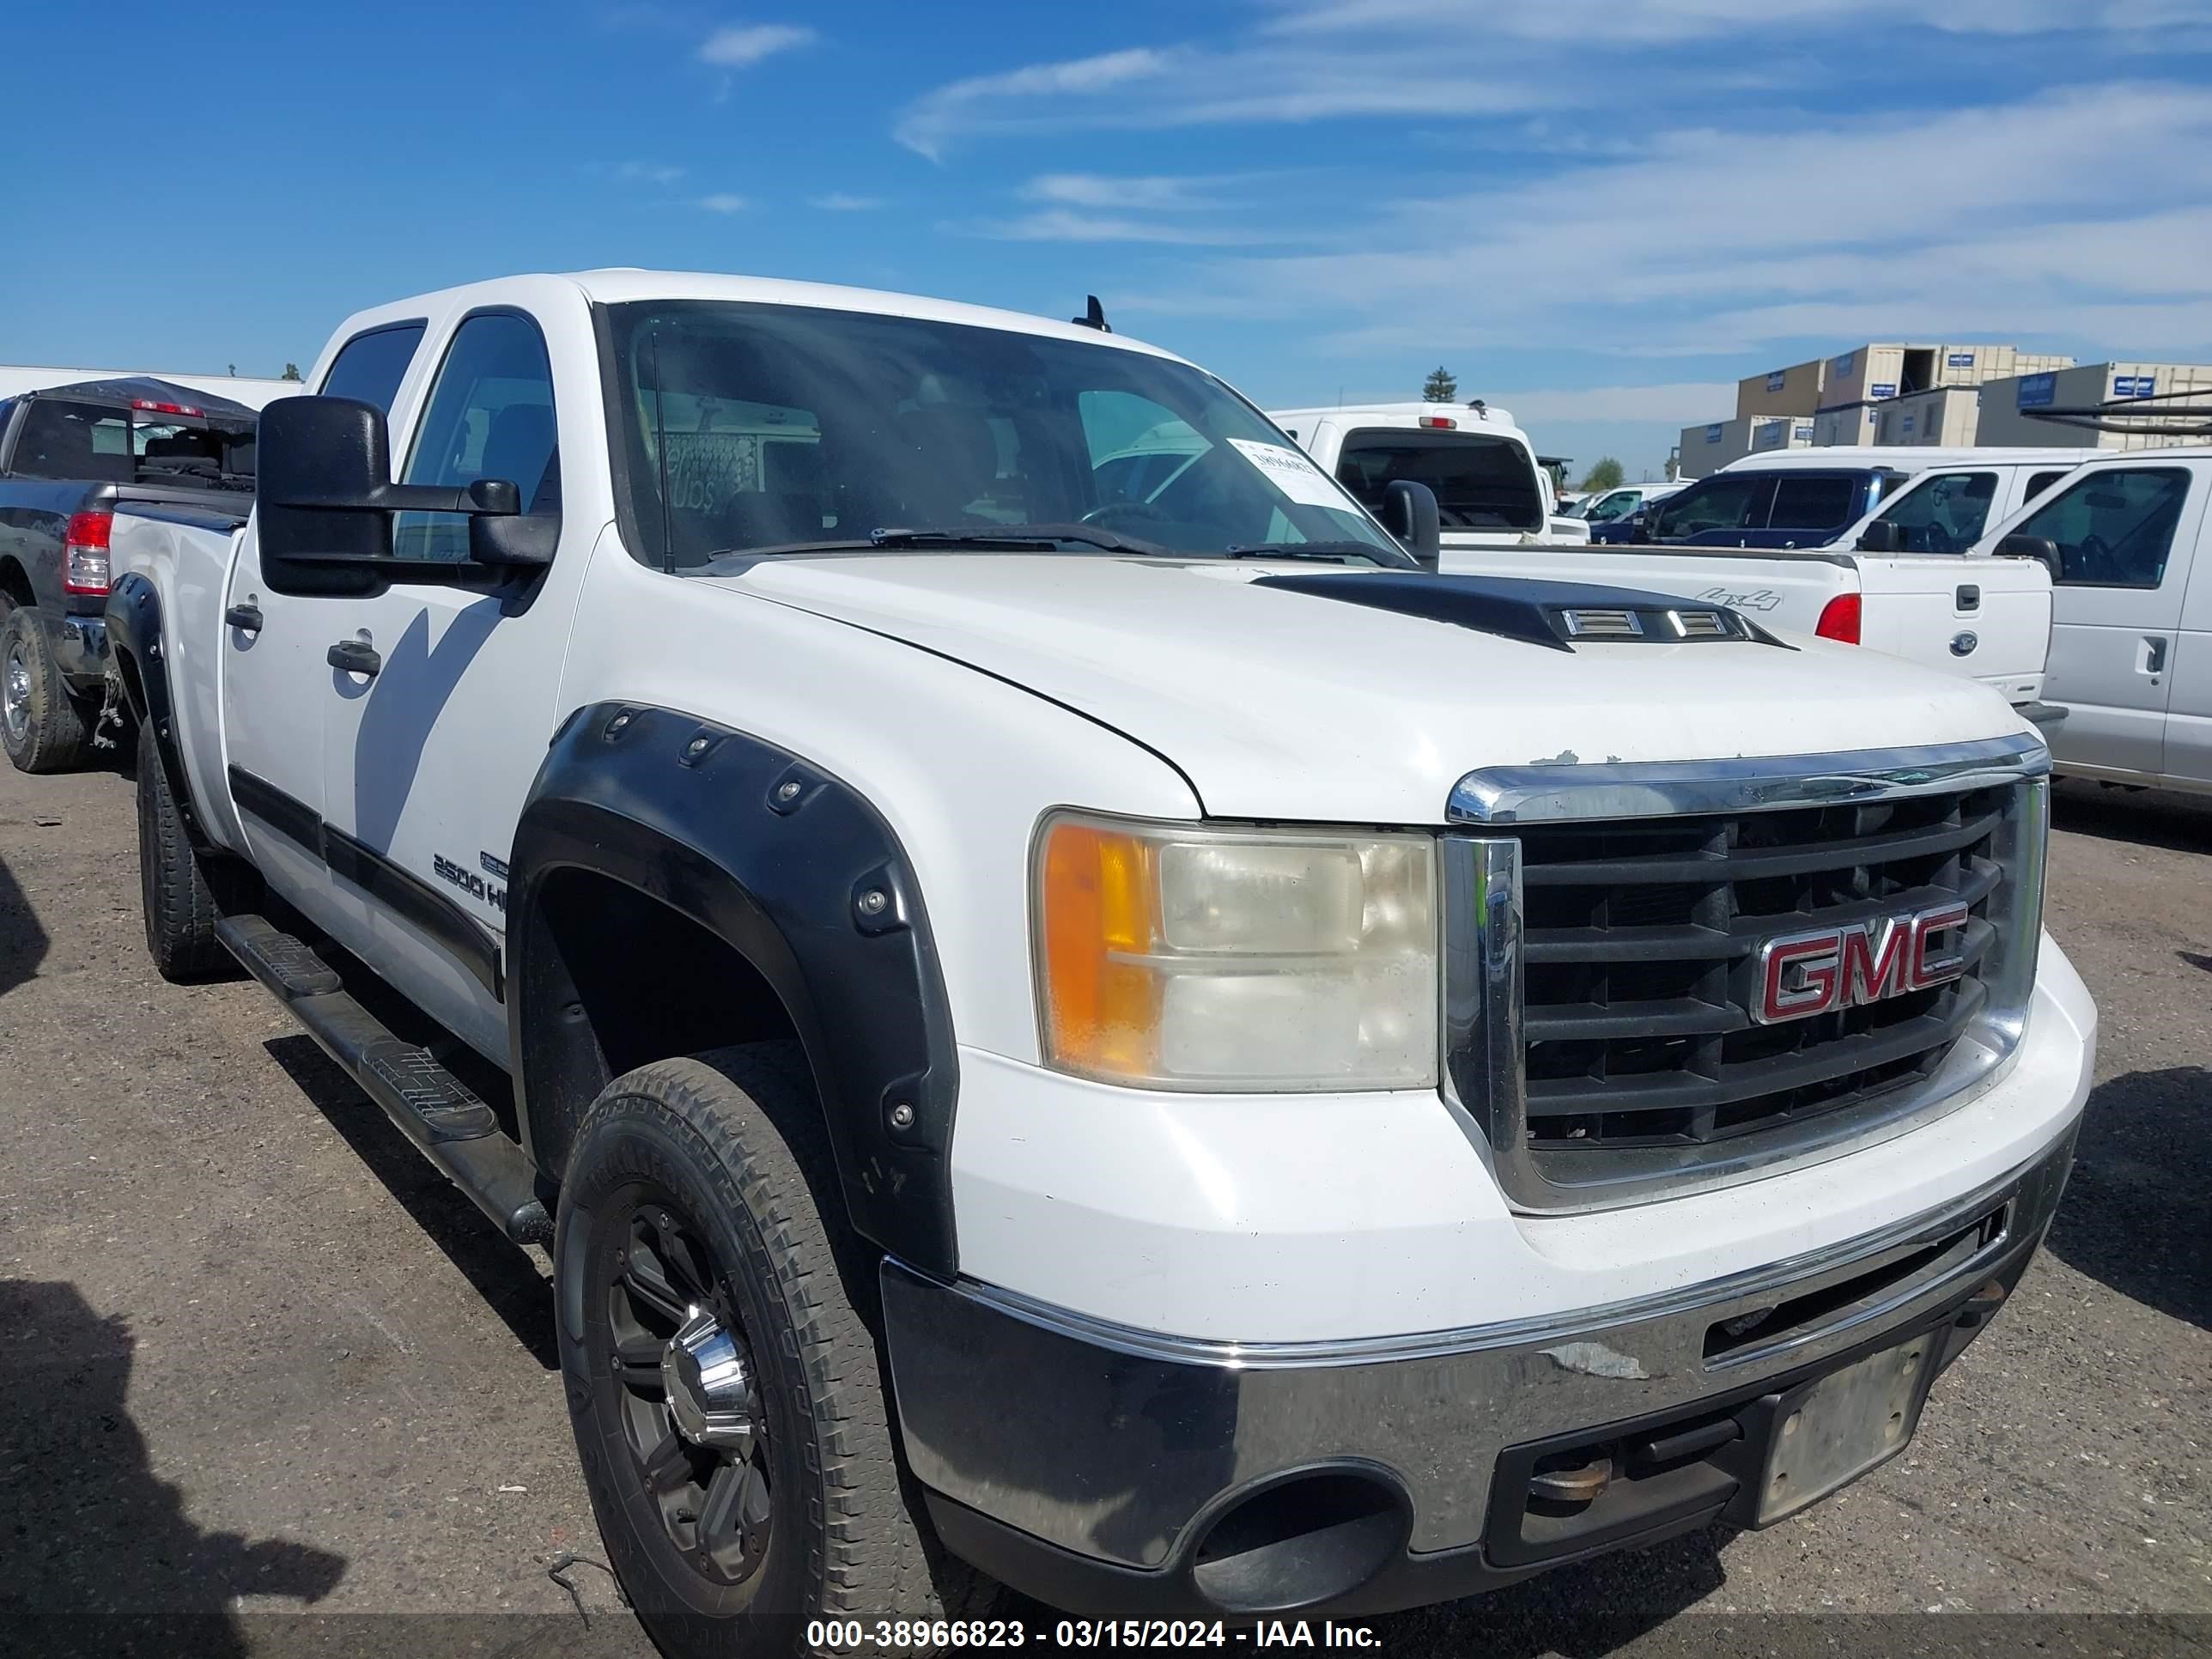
{"points": [[134, 638], [801, 875]]}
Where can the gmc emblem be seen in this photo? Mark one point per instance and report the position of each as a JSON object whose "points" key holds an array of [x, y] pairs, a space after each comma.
{"points": [[1806, 974]]}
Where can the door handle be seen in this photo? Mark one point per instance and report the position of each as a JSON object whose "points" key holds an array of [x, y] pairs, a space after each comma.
{"points": [[246, 618], [1970, 596], [2153, 653], [354, 657]]}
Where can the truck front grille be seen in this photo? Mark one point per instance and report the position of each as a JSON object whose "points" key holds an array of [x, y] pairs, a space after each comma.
{"points": [[1603, 1028]]}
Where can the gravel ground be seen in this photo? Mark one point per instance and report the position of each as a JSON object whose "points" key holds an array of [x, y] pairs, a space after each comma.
{"points": [[263, 1369]]}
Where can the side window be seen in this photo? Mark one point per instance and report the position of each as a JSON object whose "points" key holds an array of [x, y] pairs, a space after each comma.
{"points": [[2039, 482], [1733, 501], [1618, 504], [1813, 501], [489, 415], [2115, 528], [1945, 515], [370, 367], [74, 440]]}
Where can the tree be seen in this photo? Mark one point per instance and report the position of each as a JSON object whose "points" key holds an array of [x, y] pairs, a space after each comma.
{"points": [[1604, 473], [1442, 387], [291, 372]]}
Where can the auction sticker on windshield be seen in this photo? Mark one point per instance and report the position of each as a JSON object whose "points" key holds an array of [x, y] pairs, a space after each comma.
{"points": [[1289, 471]]}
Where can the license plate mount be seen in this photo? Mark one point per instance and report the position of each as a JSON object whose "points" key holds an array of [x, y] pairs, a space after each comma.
{"points": [[1835, 1428]]}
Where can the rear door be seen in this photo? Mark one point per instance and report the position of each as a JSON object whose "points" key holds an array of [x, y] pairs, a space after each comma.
{"points": [[2116, 609], [276, 676], [1721, 511], [1810, 509]]}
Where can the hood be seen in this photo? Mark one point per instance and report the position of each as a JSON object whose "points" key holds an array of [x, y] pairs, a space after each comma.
{"points": [[1286, 702]]}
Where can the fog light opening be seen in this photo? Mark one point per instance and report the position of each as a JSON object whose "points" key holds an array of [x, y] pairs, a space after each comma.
{"points": [[1301, 1541]]}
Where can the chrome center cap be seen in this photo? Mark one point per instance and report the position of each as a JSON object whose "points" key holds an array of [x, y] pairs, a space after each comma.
{"points": [[709, 1393]]}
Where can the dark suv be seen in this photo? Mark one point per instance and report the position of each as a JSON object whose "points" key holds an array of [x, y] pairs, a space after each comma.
{"points": [[1784, 508]]}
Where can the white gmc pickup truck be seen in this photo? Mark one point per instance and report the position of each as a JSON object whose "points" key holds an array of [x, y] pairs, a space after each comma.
{"points": [[1154, 1047]]}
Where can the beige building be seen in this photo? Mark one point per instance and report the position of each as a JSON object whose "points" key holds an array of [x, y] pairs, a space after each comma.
{"points": [[1948, 415], [2008, 406], [1708, 448], [1792, 391], [1874, 373]]}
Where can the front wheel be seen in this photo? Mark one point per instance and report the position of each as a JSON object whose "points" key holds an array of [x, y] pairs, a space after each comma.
{"points": [[725, 1391]]}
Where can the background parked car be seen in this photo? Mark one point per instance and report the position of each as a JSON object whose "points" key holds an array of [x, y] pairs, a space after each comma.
{"points": [[1606, 507], [68, 455]]}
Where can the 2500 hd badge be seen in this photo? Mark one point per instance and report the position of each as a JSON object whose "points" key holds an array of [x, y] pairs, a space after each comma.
{"points": [[470, 883]]}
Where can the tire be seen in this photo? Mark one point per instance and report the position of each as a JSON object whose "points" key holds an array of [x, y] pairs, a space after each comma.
{"points": [[174, 889], [711, 1177], [41, 726]]}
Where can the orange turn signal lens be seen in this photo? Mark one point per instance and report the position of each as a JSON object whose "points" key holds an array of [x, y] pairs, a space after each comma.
{"points": [[1096, 905]]}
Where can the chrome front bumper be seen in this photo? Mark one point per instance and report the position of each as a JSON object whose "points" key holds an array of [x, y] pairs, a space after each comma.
{"points": [[1086, 1463]]}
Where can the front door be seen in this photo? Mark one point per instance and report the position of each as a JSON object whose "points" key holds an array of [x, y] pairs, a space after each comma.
{"points": [[428, 758], [2116, 608]]}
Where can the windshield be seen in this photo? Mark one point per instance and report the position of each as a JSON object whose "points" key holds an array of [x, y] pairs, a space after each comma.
{"points": [[1480, 482], [788, 426]]}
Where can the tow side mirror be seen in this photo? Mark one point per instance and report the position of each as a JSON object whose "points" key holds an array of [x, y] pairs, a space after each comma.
{"points": [[1409, 508], [324, 499], [2041, 548], [1881, 537], [1639, 524]]}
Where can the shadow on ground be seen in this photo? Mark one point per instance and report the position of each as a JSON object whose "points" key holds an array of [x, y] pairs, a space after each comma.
{"points": [[1578, 1612], [507, 1279], [23, 940], [100, 1553], [2134, 1216], [2147, 818]]}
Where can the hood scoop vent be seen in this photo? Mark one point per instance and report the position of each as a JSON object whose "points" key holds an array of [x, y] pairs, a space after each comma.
{"points": [[1557, 615]]}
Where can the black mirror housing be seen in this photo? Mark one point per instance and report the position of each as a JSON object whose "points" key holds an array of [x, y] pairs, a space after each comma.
{"points": [[324, 499], [1409, 508], [1881, 537], [321, 462]]}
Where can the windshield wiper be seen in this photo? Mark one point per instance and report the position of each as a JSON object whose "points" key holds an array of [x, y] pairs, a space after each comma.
{"points": [[1014, 537], [1331, 552]]}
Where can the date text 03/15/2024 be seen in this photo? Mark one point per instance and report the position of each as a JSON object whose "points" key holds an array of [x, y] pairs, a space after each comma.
{"points": [[858, 1635]]}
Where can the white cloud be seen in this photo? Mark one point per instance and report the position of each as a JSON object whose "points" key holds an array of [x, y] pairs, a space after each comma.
{"points": [[1155, 194], [838, 202], [740, 45], [932, 120], [1492, 61], [646, 172], [1620, 402], [1596, 22], [722, 202], [2034, 218], [1068, 225]]}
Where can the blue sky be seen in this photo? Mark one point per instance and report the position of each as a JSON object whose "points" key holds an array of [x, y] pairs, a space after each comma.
{"points": [[1599, 212]]}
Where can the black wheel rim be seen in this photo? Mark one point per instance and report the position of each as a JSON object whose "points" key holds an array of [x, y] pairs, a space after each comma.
{"points": [[706, 1477]]}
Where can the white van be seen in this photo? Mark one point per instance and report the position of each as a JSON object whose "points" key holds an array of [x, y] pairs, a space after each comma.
{"points": [[2131, 614], [1604, 506], [1947, 508]]}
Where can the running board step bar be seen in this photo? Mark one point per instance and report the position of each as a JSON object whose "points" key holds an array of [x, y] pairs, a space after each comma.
{"points": [[448, 1124]]}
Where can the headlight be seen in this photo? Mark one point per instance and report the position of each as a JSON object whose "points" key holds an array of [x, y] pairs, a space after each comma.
{"points": [[1194, 958]]}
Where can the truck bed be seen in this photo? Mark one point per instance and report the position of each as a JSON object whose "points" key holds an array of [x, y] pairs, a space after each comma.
{"points": [[1987, 617]]}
